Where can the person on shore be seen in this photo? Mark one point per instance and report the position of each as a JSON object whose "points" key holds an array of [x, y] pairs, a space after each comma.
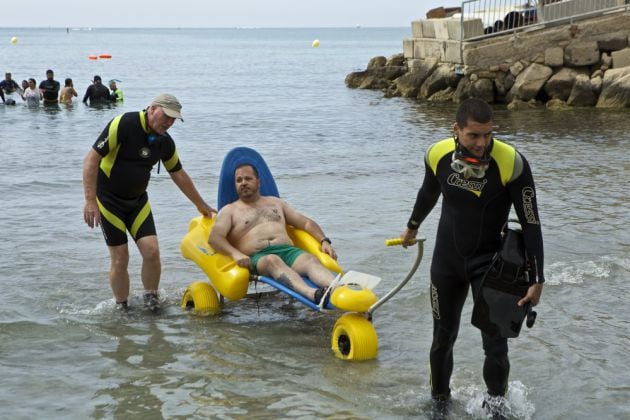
{"points": [[50, 88], [117, 94], [96, 93], [32, 95], [252, 230], [116, 173], [479, 178], [67, 92]]}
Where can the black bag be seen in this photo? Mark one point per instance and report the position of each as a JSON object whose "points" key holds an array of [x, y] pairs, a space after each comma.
{"points": [[506, 281]]}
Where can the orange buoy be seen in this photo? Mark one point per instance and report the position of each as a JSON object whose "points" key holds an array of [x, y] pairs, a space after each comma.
{"points": [[105, 56], [92, 57]]}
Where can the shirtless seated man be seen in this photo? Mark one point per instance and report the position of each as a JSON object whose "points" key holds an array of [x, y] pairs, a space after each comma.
{"points": [[252, 230]]}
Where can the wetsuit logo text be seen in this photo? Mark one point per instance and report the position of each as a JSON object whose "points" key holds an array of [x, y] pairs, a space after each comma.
{"points": [[435, 305], [474, 187], [528, 197], [101, 143]]}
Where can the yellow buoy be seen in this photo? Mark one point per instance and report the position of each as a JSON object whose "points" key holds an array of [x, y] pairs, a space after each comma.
{"points": [[316, 43], [14, 40]]}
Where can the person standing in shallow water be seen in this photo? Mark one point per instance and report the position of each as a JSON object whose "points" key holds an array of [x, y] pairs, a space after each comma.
{"points": [[50, 89], [116, 173], [31, 94], [117, 94], [67, 92], [480, 178], [96, 93]]}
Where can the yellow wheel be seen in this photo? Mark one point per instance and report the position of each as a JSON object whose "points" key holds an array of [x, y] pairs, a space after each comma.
{"points": [[351, 297], [201, 297], [354, 338]]}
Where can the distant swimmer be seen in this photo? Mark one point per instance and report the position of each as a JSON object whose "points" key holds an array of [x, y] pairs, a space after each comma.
{"points": [[117, 93], [67, 92], [50, 88], [96, 93]]}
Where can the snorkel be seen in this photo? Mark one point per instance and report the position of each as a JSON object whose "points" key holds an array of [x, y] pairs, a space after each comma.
{"points": [[465, 163]]}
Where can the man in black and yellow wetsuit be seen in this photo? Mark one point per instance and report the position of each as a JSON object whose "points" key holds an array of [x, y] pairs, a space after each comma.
{"points": [[479, 178], [116, 174]]}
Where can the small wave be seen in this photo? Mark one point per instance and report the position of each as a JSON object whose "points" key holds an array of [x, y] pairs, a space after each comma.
{"points": [[516, 405], [169, 302], [577, 272]]}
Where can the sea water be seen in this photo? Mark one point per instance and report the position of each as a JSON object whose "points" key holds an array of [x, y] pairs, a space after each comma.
{"points": [[349, 159]]}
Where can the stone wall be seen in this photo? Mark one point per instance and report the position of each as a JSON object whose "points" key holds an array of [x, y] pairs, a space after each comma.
{"points": [[586, 63]]}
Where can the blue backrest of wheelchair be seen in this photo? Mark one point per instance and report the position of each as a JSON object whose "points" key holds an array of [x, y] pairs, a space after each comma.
{"points": [[236, 157]]}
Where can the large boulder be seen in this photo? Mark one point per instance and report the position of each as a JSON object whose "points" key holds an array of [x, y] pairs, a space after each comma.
{"points": [[374, 77], [440, 79], [581, 53], [615, 89], [529, 82], [378, 61], [356, 78], [582, 92], [380, 77], [463, 90], [482, 89], [612, 41], [408, 85], [396, 60], [560, 84]]}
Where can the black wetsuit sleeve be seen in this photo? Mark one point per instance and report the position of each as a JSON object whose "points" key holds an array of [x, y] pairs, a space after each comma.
{"points": [[523, 194], [427, 198], [88, 93]]}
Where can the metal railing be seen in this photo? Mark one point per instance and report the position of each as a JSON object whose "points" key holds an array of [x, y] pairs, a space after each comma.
{"points": [[501, 16]]}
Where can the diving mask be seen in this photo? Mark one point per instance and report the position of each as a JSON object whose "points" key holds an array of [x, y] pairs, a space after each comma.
{"points": [[463, 162]]}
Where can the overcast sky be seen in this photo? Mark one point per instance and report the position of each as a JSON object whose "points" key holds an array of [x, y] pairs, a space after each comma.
{"points": [[218, 13]]}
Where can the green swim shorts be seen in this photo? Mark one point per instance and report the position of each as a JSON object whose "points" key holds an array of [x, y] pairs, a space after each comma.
{"points": [[287, 253]]}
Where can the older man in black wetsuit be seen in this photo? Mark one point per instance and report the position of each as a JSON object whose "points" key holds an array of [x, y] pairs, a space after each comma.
{"points": [[116, 174], [480, 178]]}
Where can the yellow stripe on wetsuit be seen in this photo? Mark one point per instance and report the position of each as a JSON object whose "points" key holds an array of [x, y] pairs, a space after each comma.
{"points": [[140, 218], [111, 217], [170, 164], [503, 154], [119, 224], [107, 163], [505, 157]]}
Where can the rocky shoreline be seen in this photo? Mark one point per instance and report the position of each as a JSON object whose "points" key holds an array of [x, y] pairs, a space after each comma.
{"points": [[521, 85], [585, 65]]}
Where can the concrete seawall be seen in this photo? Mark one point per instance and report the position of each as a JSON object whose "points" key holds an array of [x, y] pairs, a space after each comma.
{"points": [[581, 63]]}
